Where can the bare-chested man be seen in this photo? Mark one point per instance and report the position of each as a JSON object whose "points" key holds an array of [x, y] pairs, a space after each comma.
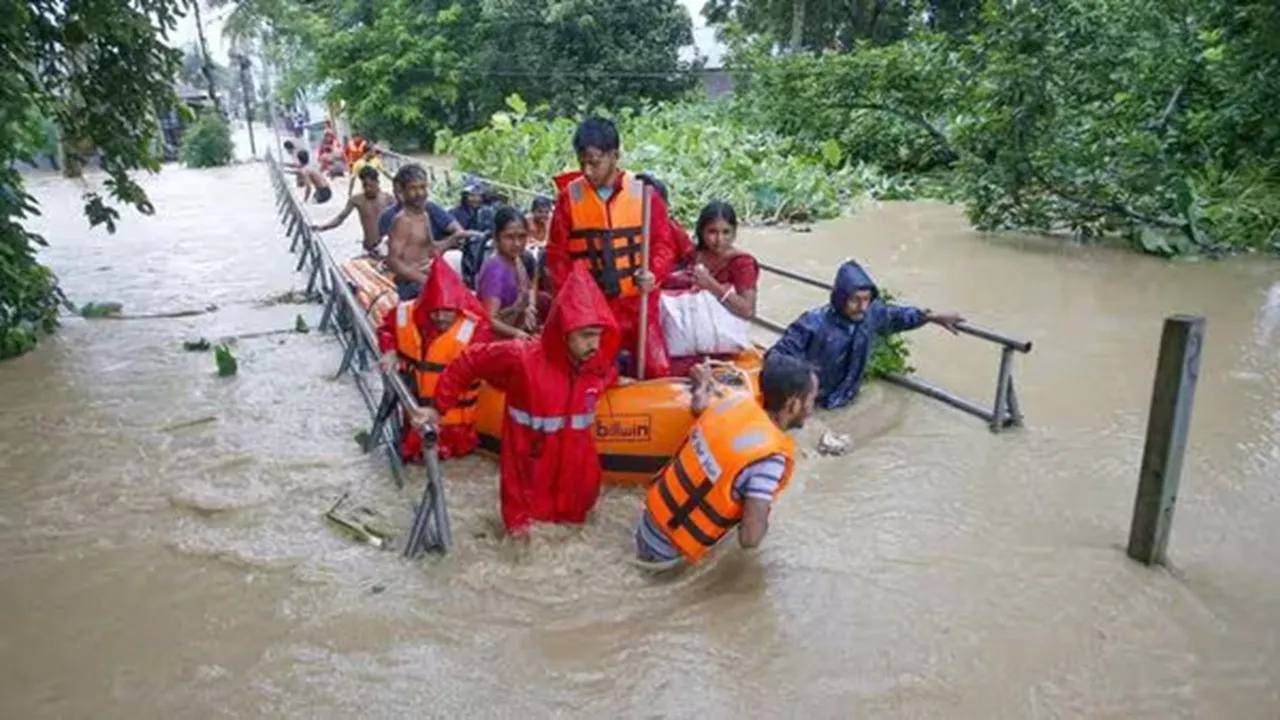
{"points": [[420, 230], [312, 179], [369, 204]]}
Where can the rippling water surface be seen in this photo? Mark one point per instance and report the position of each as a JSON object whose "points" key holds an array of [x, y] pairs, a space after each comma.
{"points": [[154, 566]]}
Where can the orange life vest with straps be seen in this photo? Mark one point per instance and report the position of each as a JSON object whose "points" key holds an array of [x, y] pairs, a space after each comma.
{"points": [[608, 235], [424, 365], [692, 499]]}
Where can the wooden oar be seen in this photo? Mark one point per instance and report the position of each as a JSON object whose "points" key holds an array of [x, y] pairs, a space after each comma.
{"points": [[644, 267]]}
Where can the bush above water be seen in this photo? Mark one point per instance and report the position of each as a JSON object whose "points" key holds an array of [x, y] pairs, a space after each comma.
{"points": [[702, 151], [207, 143]]}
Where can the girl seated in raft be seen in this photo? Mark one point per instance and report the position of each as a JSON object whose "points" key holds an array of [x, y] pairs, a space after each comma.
{"points": [[718, 268], [504, 285]]}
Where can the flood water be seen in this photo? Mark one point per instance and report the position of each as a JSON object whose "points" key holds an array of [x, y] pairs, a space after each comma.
{"points": [[152, 569]]}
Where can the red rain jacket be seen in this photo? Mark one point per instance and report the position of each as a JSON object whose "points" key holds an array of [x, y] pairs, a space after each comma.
{"points": [[443, 289], [550, 469], [662, 257]]}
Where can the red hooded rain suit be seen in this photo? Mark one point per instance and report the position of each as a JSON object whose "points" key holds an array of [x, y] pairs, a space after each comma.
{"points": [[443, 289], [550, 469]]}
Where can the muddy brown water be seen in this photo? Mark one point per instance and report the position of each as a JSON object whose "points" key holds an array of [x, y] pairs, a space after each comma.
{"points": [[938, 571]]}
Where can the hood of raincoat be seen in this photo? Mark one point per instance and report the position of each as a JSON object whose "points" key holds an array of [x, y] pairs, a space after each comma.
{"points": [[563, 179], [850, 278], [444, 289], [580, 304]]}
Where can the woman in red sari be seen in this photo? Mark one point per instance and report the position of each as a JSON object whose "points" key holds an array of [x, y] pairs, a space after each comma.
{"points": [[718, 268]]}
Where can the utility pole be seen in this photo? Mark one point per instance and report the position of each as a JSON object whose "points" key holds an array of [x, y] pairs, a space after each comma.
{"points": [[246, 88], [206, 66]]}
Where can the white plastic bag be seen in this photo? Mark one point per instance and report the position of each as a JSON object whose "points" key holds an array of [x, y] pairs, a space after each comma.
{"points": [[696, 323]]}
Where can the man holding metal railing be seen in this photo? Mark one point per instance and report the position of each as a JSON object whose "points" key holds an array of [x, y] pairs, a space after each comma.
{"points": [[838, 338]]}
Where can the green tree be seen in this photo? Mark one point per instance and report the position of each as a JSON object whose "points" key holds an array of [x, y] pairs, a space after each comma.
{"points": [[576, 54], [100, 69], [841, 25]]}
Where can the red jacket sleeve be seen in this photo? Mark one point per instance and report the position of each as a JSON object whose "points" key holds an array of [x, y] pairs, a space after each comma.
{"points": [[662, 243], [557, 252], [387, 332], [495, 363]]}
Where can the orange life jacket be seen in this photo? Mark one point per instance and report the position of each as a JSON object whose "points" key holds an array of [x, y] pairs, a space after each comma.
{"points": [[424, 365], [608, 235], [692, 499]]}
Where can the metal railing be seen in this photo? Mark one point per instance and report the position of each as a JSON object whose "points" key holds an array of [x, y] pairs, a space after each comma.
{"points": [[346, 319], [453, 180], [1002, 413]]}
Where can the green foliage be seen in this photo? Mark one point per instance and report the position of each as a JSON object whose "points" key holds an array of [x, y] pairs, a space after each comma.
{"points": [[404, 70], [100, 310], [207, 143], [702, 151], [98, 70], [225, 361], [1149, 121]]}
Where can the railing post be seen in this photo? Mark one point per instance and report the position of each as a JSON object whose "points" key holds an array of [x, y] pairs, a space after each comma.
{"points": [[1003, 378], [1177, 370]]}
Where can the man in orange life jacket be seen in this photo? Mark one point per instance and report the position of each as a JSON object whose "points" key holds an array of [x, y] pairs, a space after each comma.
{"points": [[736, 461], [597, 218], [550, 468], [421, 338]]}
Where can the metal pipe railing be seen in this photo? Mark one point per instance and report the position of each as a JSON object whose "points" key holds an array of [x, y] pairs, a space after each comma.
{"points": [[346, 318], [1022, 346]]}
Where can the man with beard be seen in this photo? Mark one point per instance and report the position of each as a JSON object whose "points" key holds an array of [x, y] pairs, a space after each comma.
{"points": [[420, 231], [737, 460]]}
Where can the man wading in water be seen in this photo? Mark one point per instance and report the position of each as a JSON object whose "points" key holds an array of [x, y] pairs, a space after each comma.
{"points": [[369, 204], [411, 242], [312, 179]]}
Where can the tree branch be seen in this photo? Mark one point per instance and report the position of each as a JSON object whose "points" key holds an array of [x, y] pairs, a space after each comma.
{"points": [[939, 138]]}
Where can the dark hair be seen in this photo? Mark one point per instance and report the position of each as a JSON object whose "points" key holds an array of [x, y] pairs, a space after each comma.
{"points": [[368, 172], [304, 157], [657, 184], [595, 132], [712, 211], [288, 145], [409, 173], [782, 378], [503, 216], [540, 202]]}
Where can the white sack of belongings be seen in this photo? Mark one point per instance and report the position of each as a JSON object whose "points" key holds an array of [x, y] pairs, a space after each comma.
{"points": [[696, 323]]}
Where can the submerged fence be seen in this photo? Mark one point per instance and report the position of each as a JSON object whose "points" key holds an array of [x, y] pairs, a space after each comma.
{"points": [[384, 392]]}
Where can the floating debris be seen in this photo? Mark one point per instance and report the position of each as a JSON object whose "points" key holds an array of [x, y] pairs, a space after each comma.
{"points": [[833, 444], [98, 310], [364, 440], [200, 345], [190, 423], [290, 297], [300, 325], [355, 529], [227, 365]]}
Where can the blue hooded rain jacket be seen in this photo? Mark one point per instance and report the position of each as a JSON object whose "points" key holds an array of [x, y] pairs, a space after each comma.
{"points": [[839, 348]]}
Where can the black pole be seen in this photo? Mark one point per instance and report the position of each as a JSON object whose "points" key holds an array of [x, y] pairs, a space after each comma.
{"points": [[246, 90]]}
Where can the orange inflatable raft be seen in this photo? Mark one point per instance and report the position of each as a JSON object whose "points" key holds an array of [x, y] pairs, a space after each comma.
{"points": [[639, 427], [373, 285]]}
